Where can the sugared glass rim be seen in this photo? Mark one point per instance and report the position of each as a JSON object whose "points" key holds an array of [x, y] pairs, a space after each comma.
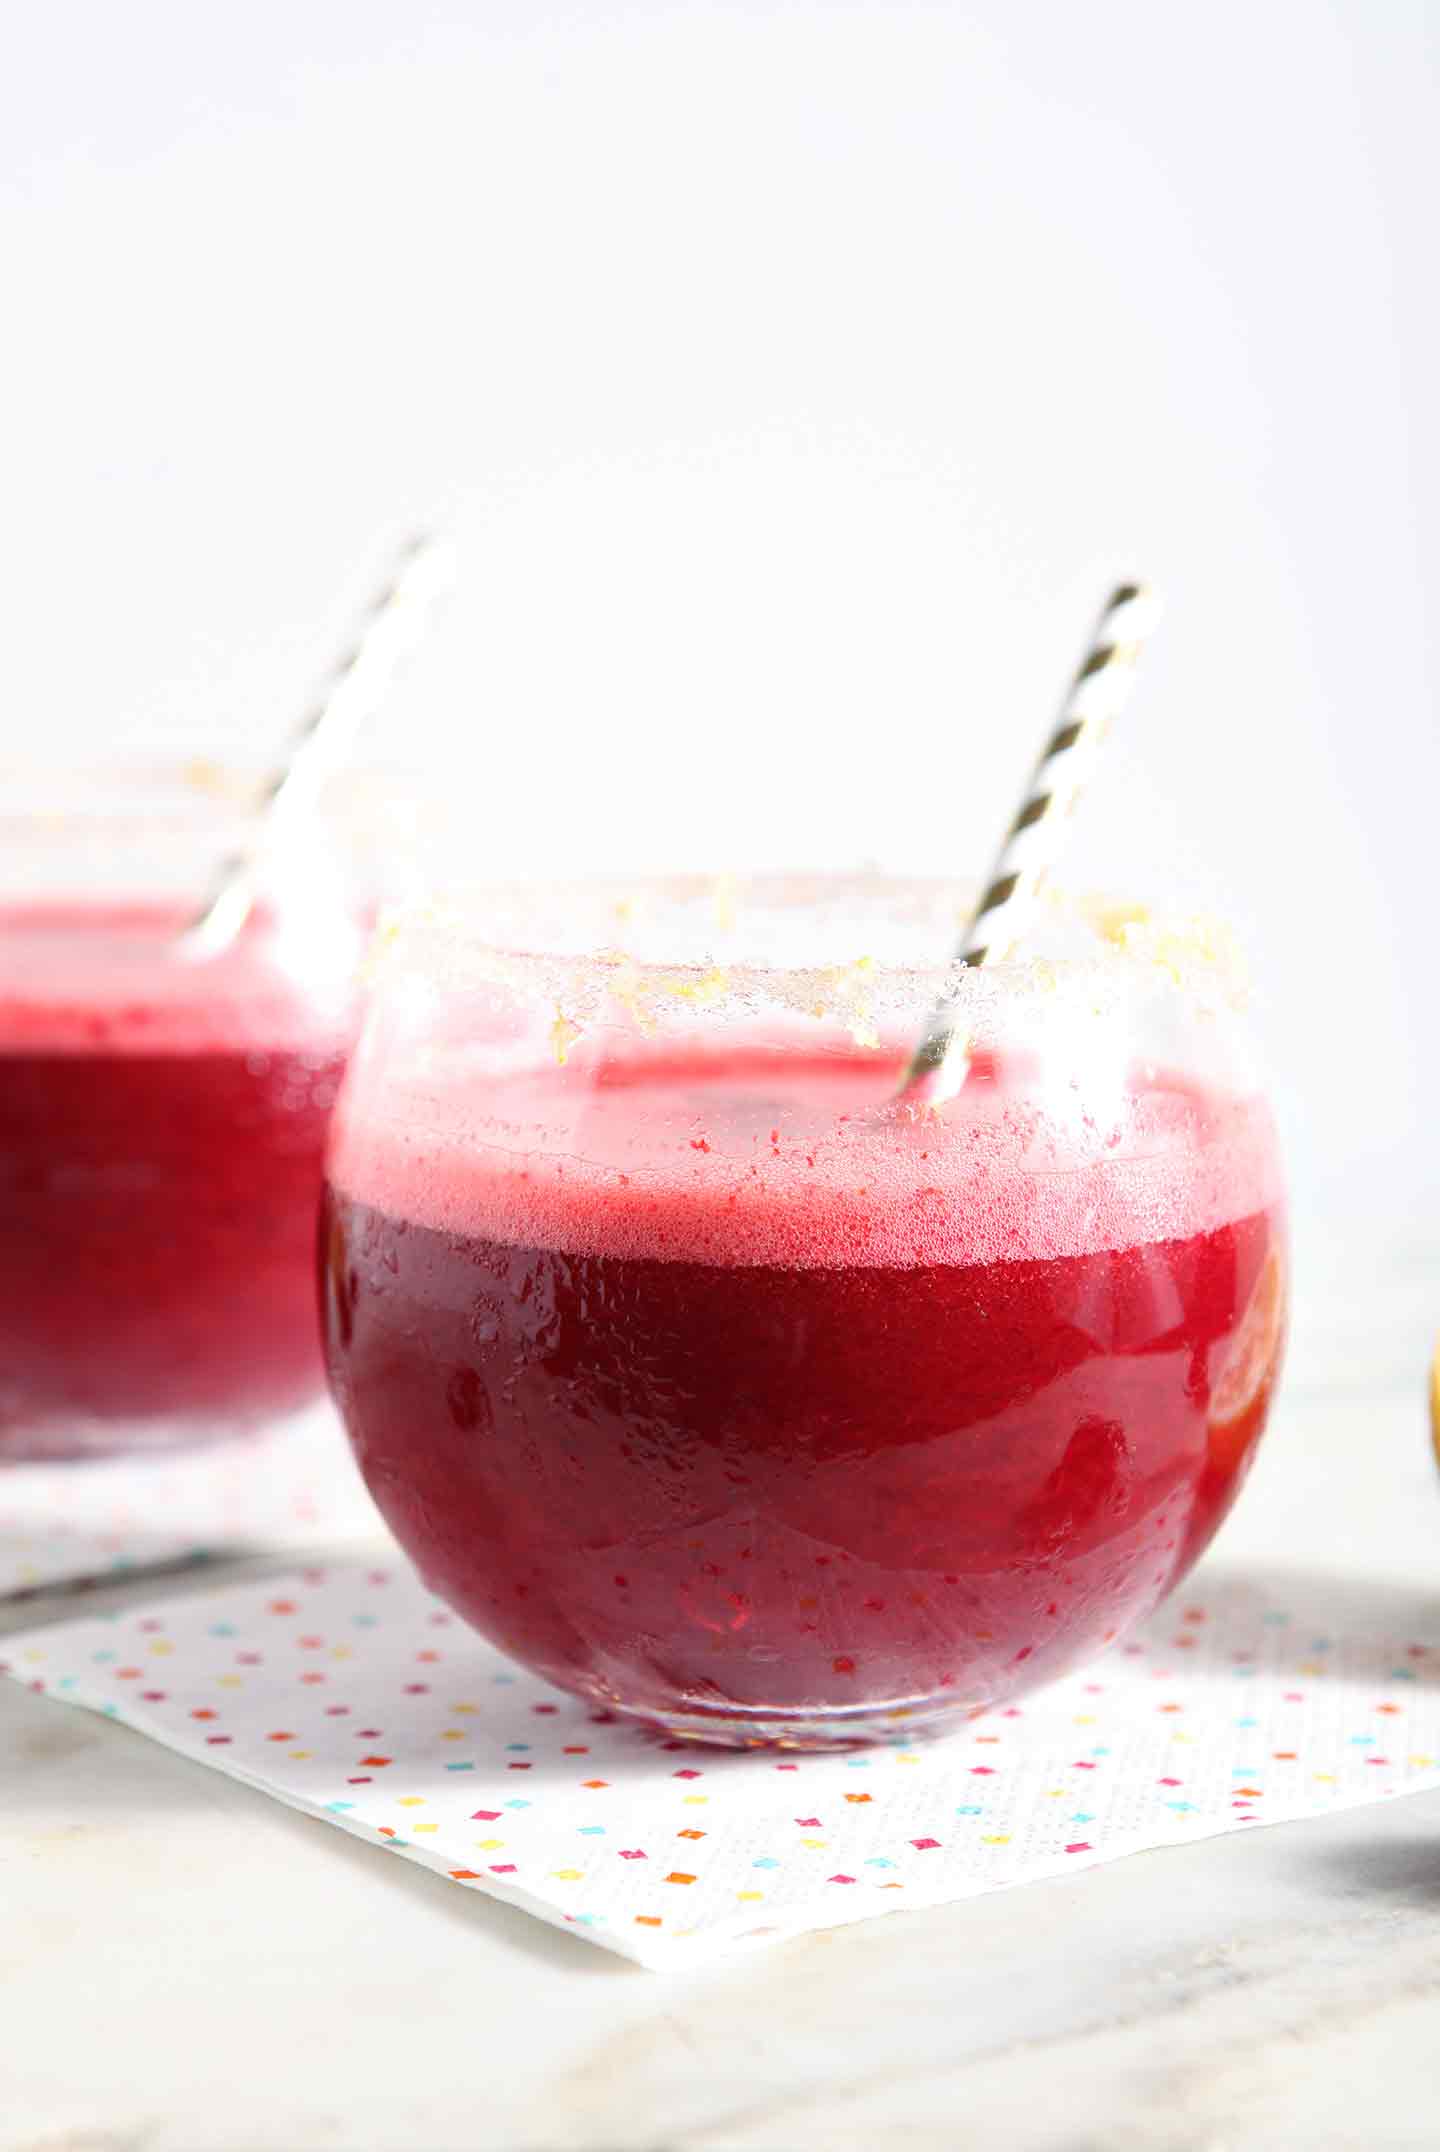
{"points": [[514, 934], [167, 793], [44, 803]]}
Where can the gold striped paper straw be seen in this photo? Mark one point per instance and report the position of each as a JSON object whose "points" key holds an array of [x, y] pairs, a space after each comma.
{"points": [[940, 1063], [390, 629]]}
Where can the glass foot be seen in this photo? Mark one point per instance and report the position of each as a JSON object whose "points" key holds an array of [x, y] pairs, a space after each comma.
{"points": [[893, 1722]]}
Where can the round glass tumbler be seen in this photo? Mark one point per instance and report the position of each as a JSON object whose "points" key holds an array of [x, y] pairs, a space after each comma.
{"points": [[162, 1123], [718, 1388]]}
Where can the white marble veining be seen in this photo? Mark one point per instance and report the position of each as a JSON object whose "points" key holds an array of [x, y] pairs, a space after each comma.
{"points": [[187, 1967]]}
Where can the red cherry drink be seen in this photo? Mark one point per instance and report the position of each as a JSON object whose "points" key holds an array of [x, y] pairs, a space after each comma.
{"points": [[161, 1132], [727, 1398]]}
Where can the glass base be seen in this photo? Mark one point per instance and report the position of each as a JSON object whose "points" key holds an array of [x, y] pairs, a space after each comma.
{"points": [[79, 1441], [896, 1721]]}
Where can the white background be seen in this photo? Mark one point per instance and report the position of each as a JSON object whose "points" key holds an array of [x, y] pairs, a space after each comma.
{"points": [[797, 375]]}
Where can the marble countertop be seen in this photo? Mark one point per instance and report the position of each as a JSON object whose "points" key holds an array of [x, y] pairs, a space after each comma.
{"points": [[185, 1966]]}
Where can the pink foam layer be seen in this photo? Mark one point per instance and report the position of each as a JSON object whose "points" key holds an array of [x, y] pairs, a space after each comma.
{"points": [[773, 1175], [106, 980]]}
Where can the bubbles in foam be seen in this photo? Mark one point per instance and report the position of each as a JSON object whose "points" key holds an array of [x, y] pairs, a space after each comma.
{"points": [[105, 979], [733, 1157]]}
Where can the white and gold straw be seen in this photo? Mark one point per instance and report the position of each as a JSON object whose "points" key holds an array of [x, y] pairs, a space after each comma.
{"points": [[940, 1063], [357, 684]]}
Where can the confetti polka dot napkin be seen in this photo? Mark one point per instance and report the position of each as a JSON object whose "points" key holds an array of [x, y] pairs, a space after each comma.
{"points": [[351, 1694], [80, 1522]]}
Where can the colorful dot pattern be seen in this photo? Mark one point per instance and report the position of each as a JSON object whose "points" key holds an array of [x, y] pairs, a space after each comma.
{"points": [[294, 1487], [349, 1692]]}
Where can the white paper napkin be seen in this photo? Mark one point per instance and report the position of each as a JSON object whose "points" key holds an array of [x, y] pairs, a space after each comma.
{"points": [[84, 1521], [350, 1693]]}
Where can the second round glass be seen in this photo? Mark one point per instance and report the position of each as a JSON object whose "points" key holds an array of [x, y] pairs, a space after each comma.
{"points": [[162, 1121]]}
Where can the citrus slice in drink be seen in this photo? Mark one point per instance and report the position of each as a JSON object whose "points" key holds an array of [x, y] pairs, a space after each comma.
{"points": [[1240, 1396]]}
